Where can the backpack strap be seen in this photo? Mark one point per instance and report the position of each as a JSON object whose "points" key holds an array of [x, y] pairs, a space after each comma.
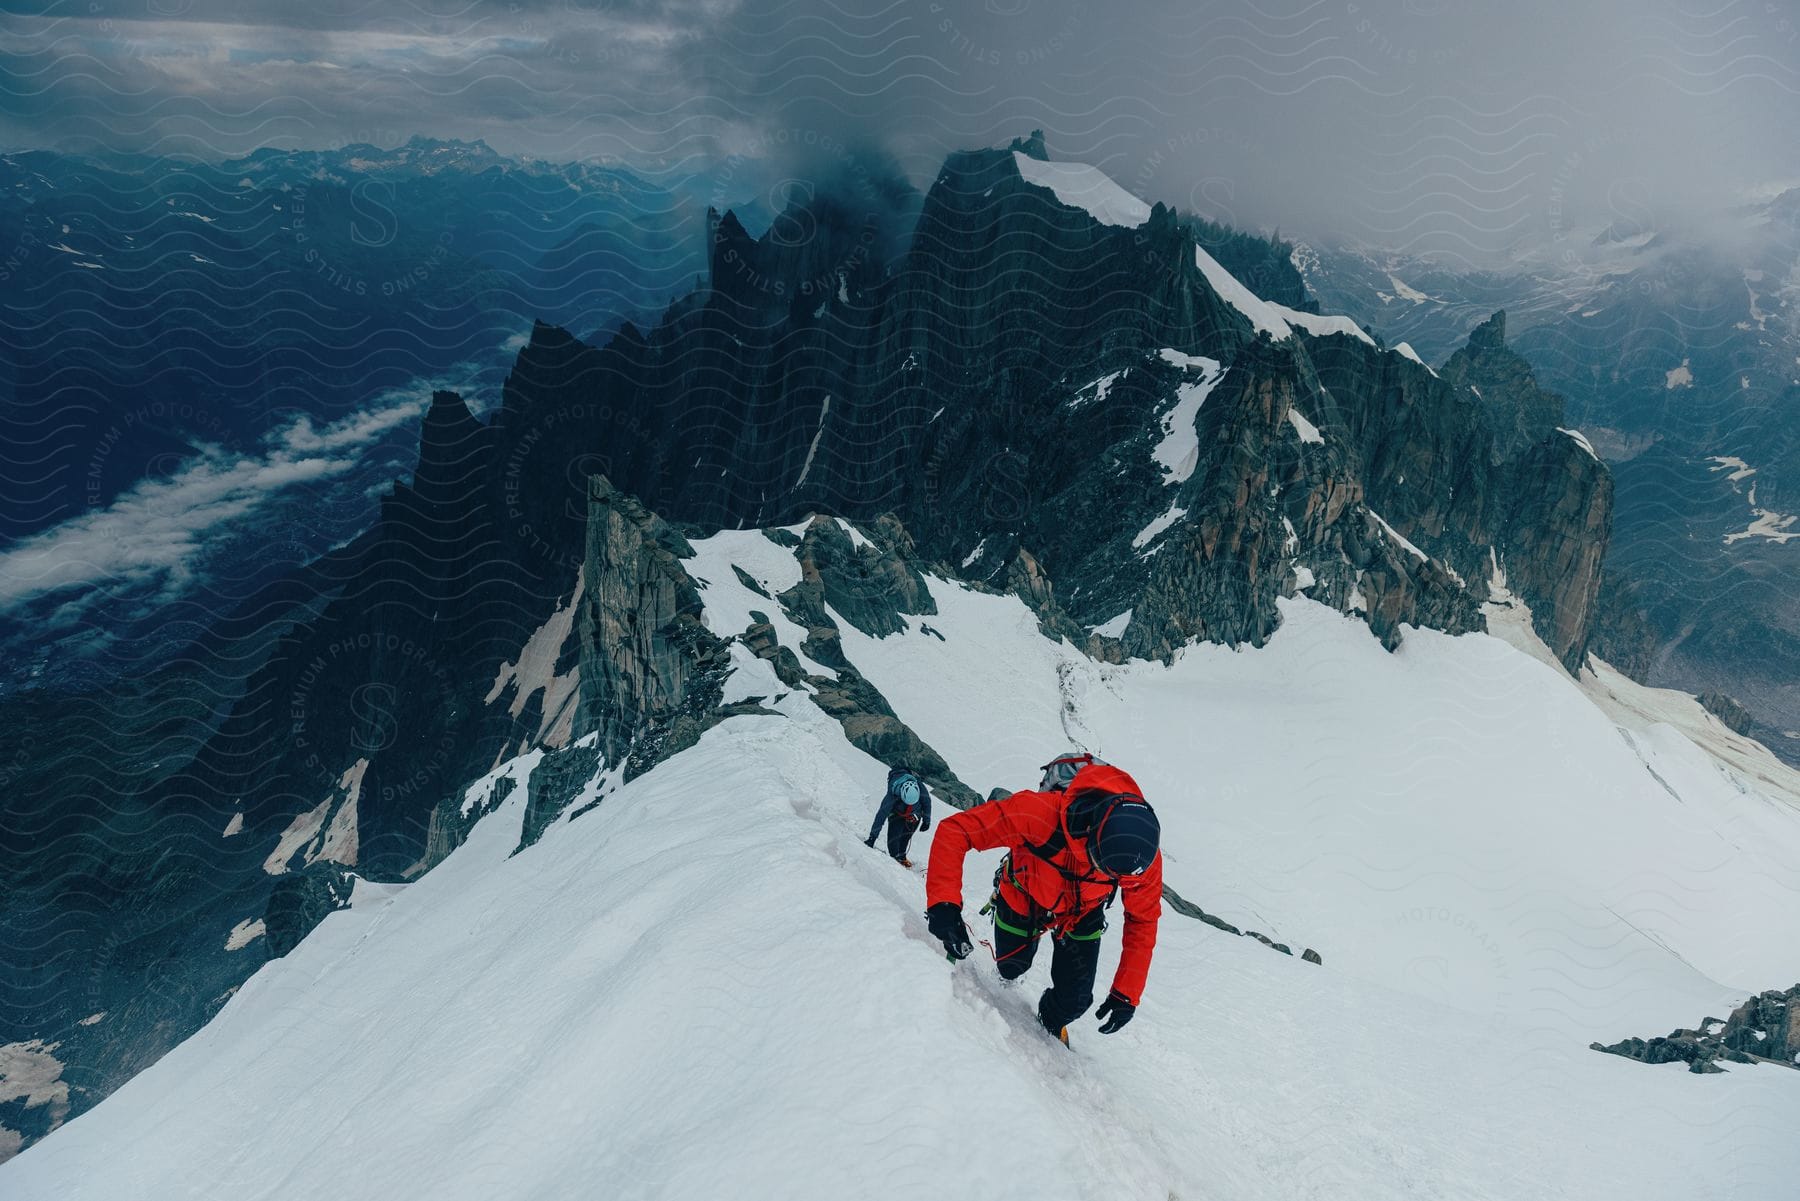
{"points": [[1048, 849], [1054, 845]]}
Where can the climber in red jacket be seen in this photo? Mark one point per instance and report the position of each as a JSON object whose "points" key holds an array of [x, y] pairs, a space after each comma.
{"points": [[1070, 852]]}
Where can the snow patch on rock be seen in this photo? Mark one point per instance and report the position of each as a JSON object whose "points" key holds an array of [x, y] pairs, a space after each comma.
{"points": [[1307, 430], [1321, 325], [1095, 392], [1178, 451], [244, 933], [1150, 532], [535, 672], [1113, 627], [1405, 350], [1581, 441]]}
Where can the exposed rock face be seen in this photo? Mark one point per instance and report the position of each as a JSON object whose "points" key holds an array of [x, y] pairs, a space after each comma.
{"points": [[871, 585], [1550, 509], [301, 900], [1622, 633], [1555, 540], [653, 673], [1220, 578], [1269, 499], [554, 784], [1522, 412], [1727, 710], [1764, 1029]]}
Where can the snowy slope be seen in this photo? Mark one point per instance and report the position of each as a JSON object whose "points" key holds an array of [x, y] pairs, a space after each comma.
{"points": [[708, 987], [1455, 818]]}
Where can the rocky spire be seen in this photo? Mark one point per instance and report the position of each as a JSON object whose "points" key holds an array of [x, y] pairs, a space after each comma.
{"points": [[1519, 410], [652, 671]]}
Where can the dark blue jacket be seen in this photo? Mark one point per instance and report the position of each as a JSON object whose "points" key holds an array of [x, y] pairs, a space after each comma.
{"points": [[891, 802]]}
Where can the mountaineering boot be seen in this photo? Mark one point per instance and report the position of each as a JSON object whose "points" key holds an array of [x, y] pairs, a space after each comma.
{"points": [[1060, 1031], [904, 862]]}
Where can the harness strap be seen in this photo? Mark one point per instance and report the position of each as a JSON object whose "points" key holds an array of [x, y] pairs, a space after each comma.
{"points": [[1048, 850], [1012, 929]]}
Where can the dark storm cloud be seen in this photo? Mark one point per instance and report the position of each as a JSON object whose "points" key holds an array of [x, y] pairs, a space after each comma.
{"points": [[1457, 126]]}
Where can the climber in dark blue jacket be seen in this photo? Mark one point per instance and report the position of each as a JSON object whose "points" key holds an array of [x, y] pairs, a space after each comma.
{"points": [[906, 808]]}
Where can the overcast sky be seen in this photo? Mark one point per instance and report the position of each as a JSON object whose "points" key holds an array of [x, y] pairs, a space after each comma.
{"points": [[1443, 125]]}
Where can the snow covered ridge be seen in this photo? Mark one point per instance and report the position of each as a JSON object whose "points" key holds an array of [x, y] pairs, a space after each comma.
{"points": [[1084, 187], [1087, 188], [521, 1023]]}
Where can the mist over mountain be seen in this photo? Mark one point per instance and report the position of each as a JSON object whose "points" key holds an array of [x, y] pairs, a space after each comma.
{"points": [[1677, 351], [1441, 126]]}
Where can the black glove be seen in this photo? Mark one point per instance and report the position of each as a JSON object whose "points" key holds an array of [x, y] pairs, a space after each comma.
{"points": [[1120, 1009], [925, 825], [947, 926], [869, 841]]}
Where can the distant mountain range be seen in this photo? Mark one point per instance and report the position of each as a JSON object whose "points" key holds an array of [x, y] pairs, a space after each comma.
{"points": [[217, 362], [1678, 353]]}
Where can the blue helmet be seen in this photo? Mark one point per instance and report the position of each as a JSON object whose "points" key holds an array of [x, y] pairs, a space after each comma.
{"points": [[908, 791]]}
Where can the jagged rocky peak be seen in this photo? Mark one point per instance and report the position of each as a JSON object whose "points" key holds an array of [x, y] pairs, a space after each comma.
{"points": [[1552, 513], [727, 242], [1032, 146], [822, 249], [1555, 537], [1522, 412], [453, 448]]}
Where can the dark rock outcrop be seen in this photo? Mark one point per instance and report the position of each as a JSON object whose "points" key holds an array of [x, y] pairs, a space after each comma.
{"points": [[652, 673], [1555, 539], [868, 584], [1622, 632], [1728, 710], [1522, 412], [553, 786], [871, 585], [1764, 1029], [301, 900]]}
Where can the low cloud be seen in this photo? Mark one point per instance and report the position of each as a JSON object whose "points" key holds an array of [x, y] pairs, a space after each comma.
{"points": [[150, 539], [1458, 127]]}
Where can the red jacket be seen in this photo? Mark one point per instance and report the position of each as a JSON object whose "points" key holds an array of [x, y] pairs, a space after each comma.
{"points": [[1033, 817]]}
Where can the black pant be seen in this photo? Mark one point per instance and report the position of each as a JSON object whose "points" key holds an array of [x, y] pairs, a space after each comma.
{"points": [[900, 833], [1074, 958]]}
